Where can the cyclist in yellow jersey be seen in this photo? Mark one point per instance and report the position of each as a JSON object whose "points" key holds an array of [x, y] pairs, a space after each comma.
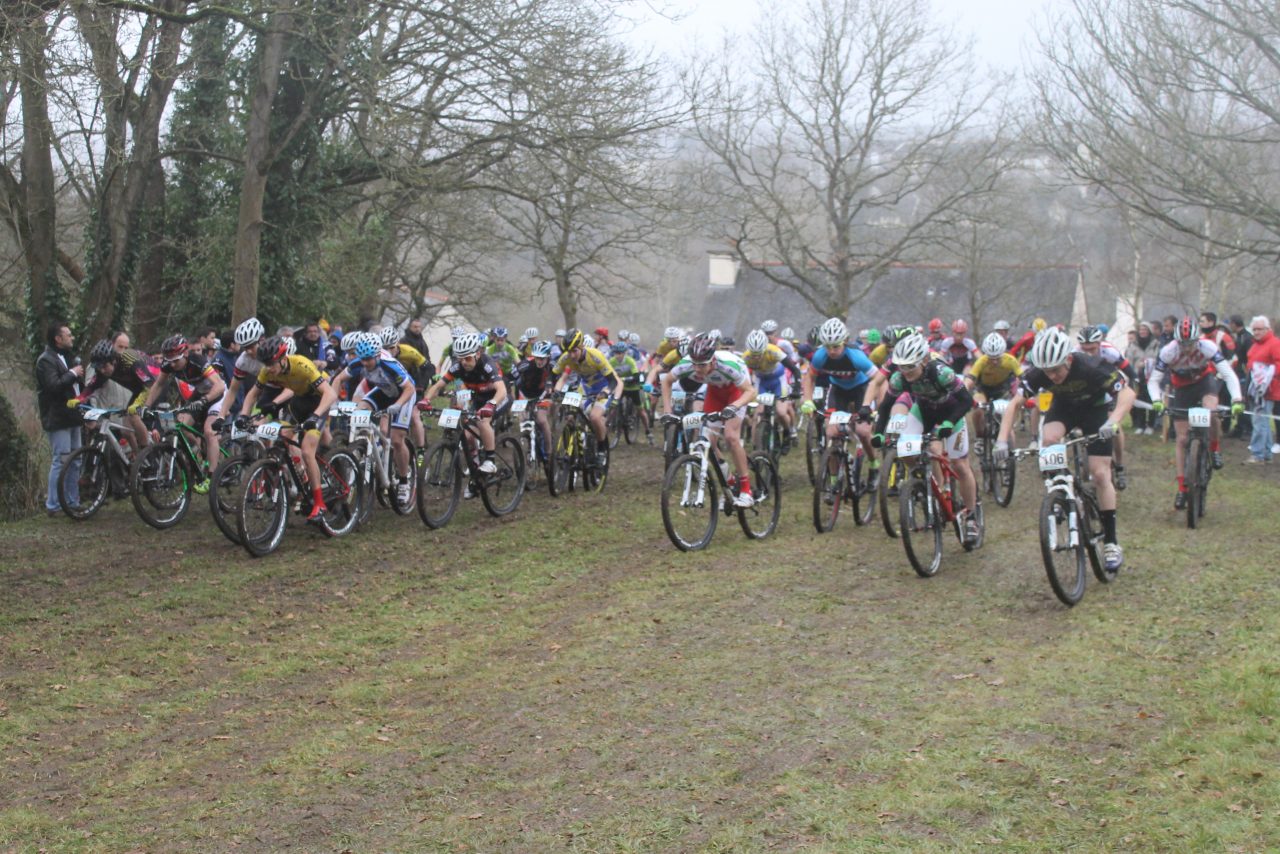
{"points": [[770, 365], [991, 377], [309, 396], [594, 372]]}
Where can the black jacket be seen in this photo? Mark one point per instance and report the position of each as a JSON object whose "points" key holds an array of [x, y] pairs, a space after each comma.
{"points": [[55, 385], [417, 342]]}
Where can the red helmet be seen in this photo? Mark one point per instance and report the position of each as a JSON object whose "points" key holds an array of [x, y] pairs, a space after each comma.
{"points": [[959, 328], [174, 347], [935, 325], [1186, 330], [602, 332]]}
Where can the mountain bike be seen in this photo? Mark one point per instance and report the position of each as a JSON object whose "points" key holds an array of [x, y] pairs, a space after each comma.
{"points": [[997, 478], [675, 438], [815, 434], [843, 477], [455, 458], [533, 442], [243, 449], [695, 490], [164, 474], [1070, 522], [277, 482], [374, 453], [1197, 465], [101, 467], [768, 434], [892, 473], [576, 459], [928, 500]]}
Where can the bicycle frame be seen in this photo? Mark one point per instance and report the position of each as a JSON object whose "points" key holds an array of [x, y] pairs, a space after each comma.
{"points": [[939, 469], [703, 447]]}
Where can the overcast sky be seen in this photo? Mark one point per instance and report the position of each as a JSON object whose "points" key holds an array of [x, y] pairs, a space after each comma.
{"points": [[1001, 28]]}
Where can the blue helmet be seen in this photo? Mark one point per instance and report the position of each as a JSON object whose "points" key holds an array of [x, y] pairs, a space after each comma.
{"points": [[368, 348], [618, 347], [499, 332]]}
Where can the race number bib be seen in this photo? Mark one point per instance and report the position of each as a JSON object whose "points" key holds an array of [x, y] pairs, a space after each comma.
{"points": [[677, 395], [1198, 417], [1044, 400], [898, 423], [450, 418], [765, 399], [572, 398], [1053, 458], [819, 393], [269, 432], [838, 418], [692, 421], [518, 406], [462, 397], [909, 444], [95, 414], [360, 418], [345, 407], [999, 406]]}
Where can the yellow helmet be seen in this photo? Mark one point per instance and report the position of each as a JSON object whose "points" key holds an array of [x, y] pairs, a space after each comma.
{"points": [[1039, 324]]}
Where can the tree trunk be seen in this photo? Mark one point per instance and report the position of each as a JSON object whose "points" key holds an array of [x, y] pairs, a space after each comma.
{"points": [[567, 298], [257, 163], [38, 182], [151, 312]]}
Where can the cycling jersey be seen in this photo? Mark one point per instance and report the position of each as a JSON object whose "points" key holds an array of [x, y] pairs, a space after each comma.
{"points": [[936, 386], [957, 351], [786, 347], [246, 366], [506, 355], [387, 376], [134, 371], [479, 379], [196, 372], [409, 357], [851, 368], [625, 368], [770, 361], [1108, 353], [1189, 368], [531, 380], [726, 370], [1020, 348], [990, 373], [879, 354], [300, 376], [1089, 383], [589, 368]]}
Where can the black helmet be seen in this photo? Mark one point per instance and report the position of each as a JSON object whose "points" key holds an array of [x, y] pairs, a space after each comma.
{"points": [[572, 338], [102, 352], [174, 347], [702, 348], [272, 350]]}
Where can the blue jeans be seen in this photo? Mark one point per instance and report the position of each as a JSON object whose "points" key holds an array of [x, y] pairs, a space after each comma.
{"points": [[63, 442], [1260, 442]]}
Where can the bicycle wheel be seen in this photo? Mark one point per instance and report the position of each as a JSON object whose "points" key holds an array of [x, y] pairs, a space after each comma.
{"points": [[814, 436], [630, 421], [891, 475], [366, 480], [224, 492], [1093, 536], [262, 509], [340, 486], [160, 486], [690, 503], [830, 488], [440, 486], [862, 483], [89, 466], [1005, 476], [613, 432], [1191, 468], [761, 518], [671, 434], [1206, 473], [595, 474], [1063, 562], [501, 491], [564, 458], [404, 509], [919, 525]]}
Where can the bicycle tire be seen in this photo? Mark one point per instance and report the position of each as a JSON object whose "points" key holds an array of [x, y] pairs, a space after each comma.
{"points": [[630, 421], [681, 503], [1191, 479], [160, 486], [339, 485], [224, 492], [366, 482], [814, 433], [564, 458], [440, 486], [891, 476], [863, 501], [407, 507], [761, 518], [501, 492], [1093, 535], [262, 491], [90, 465], [830, 489], [1206, 475], [918, 523], [1006, 477], [1063, 563], [593, 476]]}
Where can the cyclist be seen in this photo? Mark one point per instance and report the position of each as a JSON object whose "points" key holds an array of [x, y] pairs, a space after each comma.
{"points": [[134, 371], [531, 380], [1002, 327], [502, 351], [991, 377], [1021, 348], [596, 375], [416, 366], [1191, 362], [477, 372], [729, 390], [770, 328], [624, 365], [1092, 340], [247, 366], [1083, 387], [848, 371], [935, 336], [308, 394], [527, 339], [958, 349], [180, 366], [770, 365], [934, 399], [387, 387]]}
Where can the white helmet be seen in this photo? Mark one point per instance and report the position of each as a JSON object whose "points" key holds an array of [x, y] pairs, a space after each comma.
{"points": [[467, 345], [560, 333], [787, 333], [588, 341], [769, 327], [531, 333], [349, 340], [672, 332], [833, 331], [1001, 326], [290, 346], [1051, 349], [994, 345], [716, 335], [390, 336], [911, 350], [624, 334], [457, 332], [756, 340], [249, 331], [635, 339]]}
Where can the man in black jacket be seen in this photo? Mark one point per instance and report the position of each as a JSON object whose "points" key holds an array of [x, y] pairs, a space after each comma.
{"points": [[1244, 340], [58, 378], [413, 337]]}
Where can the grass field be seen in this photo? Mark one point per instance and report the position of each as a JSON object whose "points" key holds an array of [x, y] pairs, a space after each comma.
{"points": [[565, 680]]}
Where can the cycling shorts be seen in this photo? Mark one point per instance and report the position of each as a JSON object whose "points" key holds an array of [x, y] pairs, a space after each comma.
{"points": [[775, 385], [302, 408], [1191, 396], [402, 417], [843, 399], [1088, 420], [720, 396], [955, 446]]}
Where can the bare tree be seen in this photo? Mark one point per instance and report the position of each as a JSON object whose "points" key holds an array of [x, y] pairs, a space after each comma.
{"points": [[827, 142]]}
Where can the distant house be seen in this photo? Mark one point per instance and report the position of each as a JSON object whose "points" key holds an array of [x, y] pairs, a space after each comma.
{"points": [[737, 297]]}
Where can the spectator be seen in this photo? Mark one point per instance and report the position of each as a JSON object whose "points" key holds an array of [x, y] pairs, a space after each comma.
{"points": [[120, 341], [206, 342], [312, 344], [1264, 374], [1170, 324], [58, 378], [1143, 348], [413, 337], [1244, 425]]}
